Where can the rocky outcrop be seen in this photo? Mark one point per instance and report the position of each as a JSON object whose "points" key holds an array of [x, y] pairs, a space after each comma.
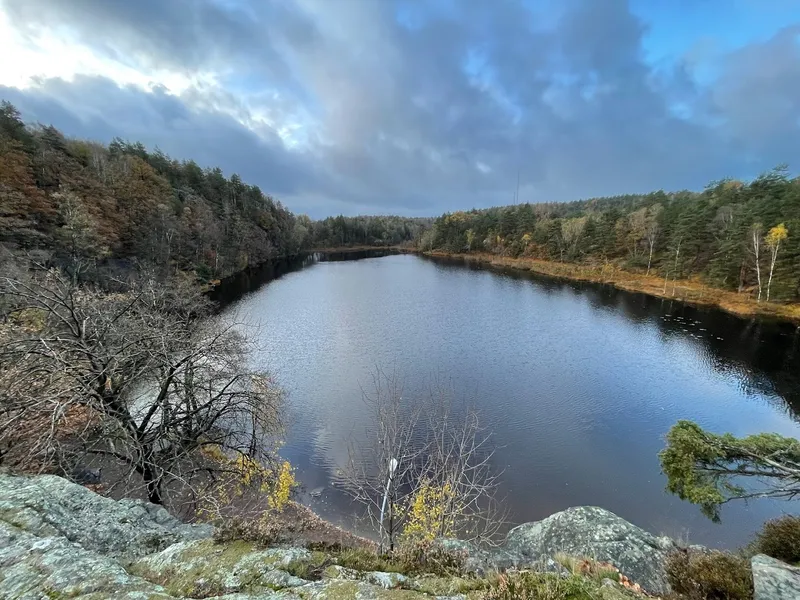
{"points": [[773, 579], [586, 531], [51, 507], [60, 540], [598, 534]]}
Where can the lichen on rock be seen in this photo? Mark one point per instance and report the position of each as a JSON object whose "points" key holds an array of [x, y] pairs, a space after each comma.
{"points": [[586, 531], [61, 540]]}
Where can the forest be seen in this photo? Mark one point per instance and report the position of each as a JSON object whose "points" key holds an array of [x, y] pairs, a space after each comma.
{"points": [[390, 230], [99, 209], [742, 236], [96, 210]]}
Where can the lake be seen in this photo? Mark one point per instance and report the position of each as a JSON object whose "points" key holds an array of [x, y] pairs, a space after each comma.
{"points": [[578, 382]]}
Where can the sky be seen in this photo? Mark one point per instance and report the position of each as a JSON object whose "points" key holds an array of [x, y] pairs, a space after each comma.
{"points": [[418, 107]]}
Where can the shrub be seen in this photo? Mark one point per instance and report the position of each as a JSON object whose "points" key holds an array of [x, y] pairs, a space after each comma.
{"points": [[429, 556], [780, 538], [712, 575], [363, 559]]}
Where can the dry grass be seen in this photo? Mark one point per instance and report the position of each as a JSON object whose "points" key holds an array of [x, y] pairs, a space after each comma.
{"points": [[430, 559], [296, 524], [691, 291], [549, 586]]}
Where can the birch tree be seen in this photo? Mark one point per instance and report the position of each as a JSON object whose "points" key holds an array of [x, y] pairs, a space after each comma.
{"points": [[773, 240], [755, 249], [651, 232]]}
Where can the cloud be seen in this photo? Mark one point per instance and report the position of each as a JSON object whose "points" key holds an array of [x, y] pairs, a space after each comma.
{"points": [[414, 106], [97, 108]]}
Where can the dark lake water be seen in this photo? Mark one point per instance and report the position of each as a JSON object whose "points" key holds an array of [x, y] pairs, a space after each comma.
{"points": [[578, 382]]}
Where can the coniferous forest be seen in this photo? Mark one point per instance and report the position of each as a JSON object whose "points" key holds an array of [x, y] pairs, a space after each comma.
{"points": [[734, 235]]}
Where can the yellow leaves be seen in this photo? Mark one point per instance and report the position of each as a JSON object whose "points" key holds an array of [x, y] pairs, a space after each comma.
{"points": [[243, 474], [776, 235], [456, 217], [283, 485], [430, 513]]}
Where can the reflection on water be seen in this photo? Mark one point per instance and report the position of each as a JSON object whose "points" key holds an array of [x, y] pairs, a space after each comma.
{"points": [[579, 382]]}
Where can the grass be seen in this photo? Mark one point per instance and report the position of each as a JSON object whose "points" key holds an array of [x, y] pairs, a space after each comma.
{"points": [[549, 586], [588, 567], [412, 559], [692, 291]]}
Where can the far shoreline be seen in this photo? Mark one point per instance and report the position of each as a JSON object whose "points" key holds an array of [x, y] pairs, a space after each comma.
{"points": [[683, 290]]}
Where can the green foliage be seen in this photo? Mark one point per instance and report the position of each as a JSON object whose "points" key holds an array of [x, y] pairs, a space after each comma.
{"points": [[709, 470], [713, 575], [342, 231], [780, 538], [690, 234]]}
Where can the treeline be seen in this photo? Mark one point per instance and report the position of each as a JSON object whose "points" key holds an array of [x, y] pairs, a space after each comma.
{"points": [[368, 231], [93, 207], [734, 235]]}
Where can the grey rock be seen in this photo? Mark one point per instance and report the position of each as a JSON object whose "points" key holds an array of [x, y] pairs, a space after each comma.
{"points": [[33, 567], [59, 539], [594, 533], [202, 566], [480, 560], [266, 595], [774, 580], [387, 581], [48, 506]]}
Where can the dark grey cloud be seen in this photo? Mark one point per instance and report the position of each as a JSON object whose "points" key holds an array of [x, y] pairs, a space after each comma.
{"points": [[422, 106]]}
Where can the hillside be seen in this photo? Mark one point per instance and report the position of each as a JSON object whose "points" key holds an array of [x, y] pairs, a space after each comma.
{"points": [[734, 236], [94, 208]]}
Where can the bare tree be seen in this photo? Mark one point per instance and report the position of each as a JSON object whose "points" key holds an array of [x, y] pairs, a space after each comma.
{"points": [[651, 232], [423, 460], [773, 240], [381, 470], [458, 458], [755, 249], [156, 380]]}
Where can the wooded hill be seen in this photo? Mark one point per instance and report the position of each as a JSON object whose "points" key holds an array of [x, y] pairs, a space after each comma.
{"points": [[90, 206], [733, 235]]}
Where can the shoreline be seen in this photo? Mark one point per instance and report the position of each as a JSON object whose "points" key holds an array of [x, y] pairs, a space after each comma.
{"points": [[348, 249], [683, 290]]}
